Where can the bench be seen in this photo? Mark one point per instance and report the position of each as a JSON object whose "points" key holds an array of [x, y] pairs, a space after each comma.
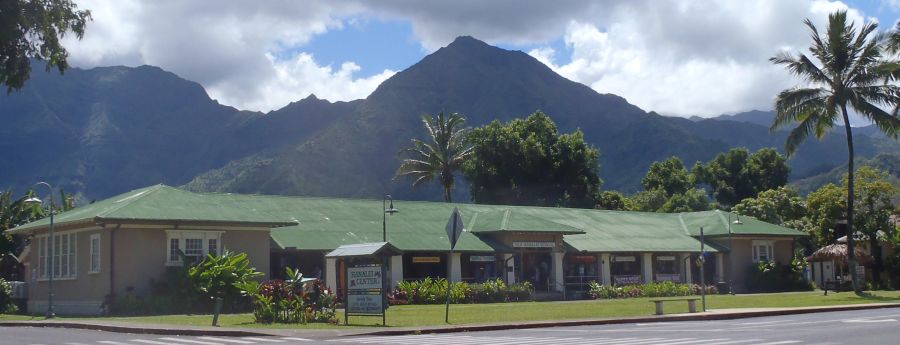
{"points": [[692, 303]]}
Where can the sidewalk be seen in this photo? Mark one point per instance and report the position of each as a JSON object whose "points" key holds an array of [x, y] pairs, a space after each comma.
{"points": [[139, 328]]}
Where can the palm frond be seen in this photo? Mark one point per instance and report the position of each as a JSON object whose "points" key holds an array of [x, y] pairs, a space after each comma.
{"points": [[791, 104]]}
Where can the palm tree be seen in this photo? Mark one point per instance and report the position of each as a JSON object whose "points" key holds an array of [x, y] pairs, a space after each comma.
{"points": [[847, 72], [440, 158]]}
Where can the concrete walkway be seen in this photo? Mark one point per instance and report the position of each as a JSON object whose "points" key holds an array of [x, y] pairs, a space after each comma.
{"points": [[146, 328]]}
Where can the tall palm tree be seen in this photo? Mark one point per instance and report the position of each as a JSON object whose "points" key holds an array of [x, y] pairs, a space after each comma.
{"points": [[440, 158], [846, 72]]}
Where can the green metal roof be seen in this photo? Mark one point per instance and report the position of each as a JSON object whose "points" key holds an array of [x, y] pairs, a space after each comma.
{"points": [[363, 249], [716, 222], [162, 203], [324, 224]]}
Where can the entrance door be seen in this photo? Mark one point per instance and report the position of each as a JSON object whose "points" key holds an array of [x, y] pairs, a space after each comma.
{"points": [[537, 267]]}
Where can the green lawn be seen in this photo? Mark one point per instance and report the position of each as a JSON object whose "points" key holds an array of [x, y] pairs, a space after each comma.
{"points": [[430, 315]]}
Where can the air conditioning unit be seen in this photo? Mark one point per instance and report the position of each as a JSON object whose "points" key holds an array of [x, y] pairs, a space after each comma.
{"points": [[19, 290]]}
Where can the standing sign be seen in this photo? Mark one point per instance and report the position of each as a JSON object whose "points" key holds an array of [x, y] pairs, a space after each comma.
{"points": [[454, 230], [364, 290]]}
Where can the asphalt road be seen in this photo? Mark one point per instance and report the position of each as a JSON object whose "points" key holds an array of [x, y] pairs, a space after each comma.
{"points": [[879, 326]]}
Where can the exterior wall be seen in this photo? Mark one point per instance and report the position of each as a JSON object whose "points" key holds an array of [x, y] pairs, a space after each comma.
{"points": [[83, 294], [255, 243], [741, 257]]}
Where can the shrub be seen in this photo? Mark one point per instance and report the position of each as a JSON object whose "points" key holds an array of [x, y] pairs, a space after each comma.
{"points": [[654, 289], [6, 304], [290, 301], [769, 276], [434, 291], [217, 276]]}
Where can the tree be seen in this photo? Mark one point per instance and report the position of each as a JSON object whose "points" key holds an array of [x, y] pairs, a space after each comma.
{"points": [[221, 277], [848, 71], [648, 201], [32, 29], [874, 207], [776, 206], [15, 212], [527, 162], [670, 176], [612, 200], [442, 157], [692, 200], [736, 175]]}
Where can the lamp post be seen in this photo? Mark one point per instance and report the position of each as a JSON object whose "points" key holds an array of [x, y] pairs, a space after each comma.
{"points": [[730, 254], [389, 210], [36, 200]]}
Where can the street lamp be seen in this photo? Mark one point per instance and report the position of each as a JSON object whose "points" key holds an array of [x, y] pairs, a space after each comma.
{"points": [[37, 201], [730, 253], [390, 210]]}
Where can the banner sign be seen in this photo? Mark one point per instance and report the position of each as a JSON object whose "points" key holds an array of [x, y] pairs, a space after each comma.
{"points": [[627, 280], [624, 259], [482, 258], [426, 259], [364, 302], [584, 258], [363, 278], [533, 244], [665, 258]]}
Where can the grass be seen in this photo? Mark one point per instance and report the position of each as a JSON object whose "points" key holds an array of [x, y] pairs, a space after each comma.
{"points": [[432, 315]]}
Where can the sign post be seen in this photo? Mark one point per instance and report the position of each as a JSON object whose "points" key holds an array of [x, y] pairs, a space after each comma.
{"points": [[364, 294], [454, 230], [702, 272]]}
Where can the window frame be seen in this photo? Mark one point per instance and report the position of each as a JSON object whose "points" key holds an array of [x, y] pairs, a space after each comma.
{"points": [[70, 257], [183, 235], [755, 252], [95, 251]]}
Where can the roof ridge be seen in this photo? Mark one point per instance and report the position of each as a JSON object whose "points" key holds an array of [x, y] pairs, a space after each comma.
{"points": [[132, 199], [505, 221], [683, 225]]}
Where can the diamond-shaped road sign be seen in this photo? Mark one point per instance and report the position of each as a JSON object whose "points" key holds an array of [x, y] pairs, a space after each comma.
{"points": [[454, 227]]}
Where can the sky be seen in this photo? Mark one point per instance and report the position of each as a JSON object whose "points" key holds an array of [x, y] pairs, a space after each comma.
{"points": [[675, 57]]}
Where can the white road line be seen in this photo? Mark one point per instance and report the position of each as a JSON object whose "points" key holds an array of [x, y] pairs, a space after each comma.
{"points": [[617, 341], [110, 342], [696, 341], [664, 340], [763, 322], [734, 342], [629, 342], [296, 339], [226, 340], [179, 340], [532, 340], [265, 340], [75, 343], [781, 342], [154, 342]]}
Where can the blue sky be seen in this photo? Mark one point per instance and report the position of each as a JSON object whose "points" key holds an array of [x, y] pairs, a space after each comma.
{"points": [[675, 57]]}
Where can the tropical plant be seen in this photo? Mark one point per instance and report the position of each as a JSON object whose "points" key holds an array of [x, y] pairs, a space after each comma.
{"points": [[295, 300], [15, 212], [6, 304], [441, 157], [217, 276], [847, 72]]}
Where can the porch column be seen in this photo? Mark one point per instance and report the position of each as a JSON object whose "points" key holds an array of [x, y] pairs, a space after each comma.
{"points": [[558, 278], [455, 269], [331, 274], [396, 270], [647, 264], [686, 262], [510, 266], [605, 269], [720, 267]]}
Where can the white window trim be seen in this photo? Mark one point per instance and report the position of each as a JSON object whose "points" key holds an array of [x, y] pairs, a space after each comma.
{"points": [[73, 256], [770, 250], [91, 252], [181, 235]]}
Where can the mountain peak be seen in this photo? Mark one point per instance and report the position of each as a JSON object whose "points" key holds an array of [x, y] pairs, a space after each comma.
{"points": [[467, 42]]}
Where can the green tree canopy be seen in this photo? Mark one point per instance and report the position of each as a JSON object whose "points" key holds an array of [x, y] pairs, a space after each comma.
{"points": [[439, 158], [669, 175], [736, 175], [776, 206], [527, 162], [32, 29], [692, 200], [15, 212], [612, 200]]}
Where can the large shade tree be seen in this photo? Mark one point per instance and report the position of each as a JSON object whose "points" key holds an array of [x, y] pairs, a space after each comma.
{"points": [[32, 29], [737, 174], [845, 69], [441, 156]]}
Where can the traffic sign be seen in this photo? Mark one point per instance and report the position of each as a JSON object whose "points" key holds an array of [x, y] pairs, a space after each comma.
{"points": [[454, 227]]}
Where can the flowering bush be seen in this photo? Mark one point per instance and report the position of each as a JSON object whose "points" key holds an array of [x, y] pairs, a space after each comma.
{"points": [[434, 291], [290, 301], [655, 289], [6, 304]]}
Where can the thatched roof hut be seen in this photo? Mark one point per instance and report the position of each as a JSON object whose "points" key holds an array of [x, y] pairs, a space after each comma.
{"points": [[838, 252]]}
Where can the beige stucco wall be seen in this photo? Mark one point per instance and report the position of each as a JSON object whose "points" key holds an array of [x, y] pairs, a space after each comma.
{"points": [[140, 255], [741, 256], [82, 295]]}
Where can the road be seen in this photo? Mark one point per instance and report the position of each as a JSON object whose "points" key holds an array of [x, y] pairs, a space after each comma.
{"points": [[851, 327]]}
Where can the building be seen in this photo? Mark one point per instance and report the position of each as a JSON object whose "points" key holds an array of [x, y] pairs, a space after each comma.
{"points": [[116, 245]]}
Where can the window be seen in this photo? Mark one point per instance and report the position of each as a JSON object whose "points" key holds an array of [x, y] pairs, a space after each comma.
{"points": [[60, 254], [95, 254], [193, 245], [763, 251]]}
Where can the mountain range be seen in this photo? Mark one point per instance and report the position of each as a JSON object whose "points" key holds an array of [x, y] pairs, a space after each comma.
{"points": [[98, 132]]}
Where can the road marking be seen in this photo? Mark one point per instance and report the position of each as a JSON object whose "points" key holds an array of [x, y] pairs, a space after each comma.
{"points": [[781, 342], [154, 342], [179, 340], [297, 339], [110, 342], [75, 344], [272, 340], [694, 341], [870, 320], [734, 342], [227, 340], [764, 322]]}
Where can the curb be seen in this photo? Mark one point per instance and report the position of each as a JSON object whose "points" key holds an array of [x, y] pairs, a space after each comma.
{"points": [[646, 319], [134, 330]]}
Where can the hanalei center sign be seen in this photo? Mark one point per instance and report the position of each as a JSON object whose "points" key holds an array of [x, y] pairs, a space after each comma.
{"points": [[364, 295]]}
